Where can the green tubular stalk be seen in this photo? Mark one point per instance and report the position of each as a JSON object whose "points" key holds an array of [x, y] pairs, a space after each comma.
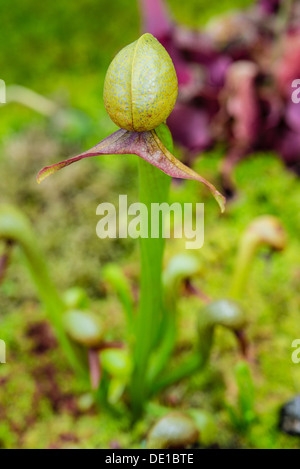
{"points": [[114, 275], [265, 230], [223, 313], [15, 227], [191, 365], [154, 188], [180, 267], [242, 268], [31, 99], [161, 355]]}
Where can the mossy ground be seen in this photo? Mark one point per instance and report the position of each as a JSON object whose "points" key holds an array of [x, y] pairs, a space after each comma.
{"points": [[41, 403]]}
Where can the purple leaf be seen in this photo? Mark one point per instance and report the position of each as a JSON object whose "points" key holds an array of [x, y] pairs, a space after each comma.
{"points": [[156, 21], [288, 146], [148, 146], [292, 116], [217, 70], [287, 67], [269, 6], [195, 45], [155, 18], [190, 126], [241, 101]]}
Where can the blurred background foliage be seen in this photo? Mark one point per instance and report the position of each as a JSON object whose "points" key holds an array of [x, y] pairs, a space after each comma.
{"points": [[62, 50]]}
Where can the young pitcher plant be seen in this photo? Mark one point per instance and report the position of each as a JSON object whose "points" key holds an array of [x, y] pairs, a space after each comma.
{"points": [[140, 92]]}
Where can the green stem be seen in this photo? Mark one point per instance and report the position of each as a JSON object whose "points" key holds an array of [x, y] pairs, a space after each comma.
{"points": [[245, 257], [162, 354], [190, 366], [154, 188], [31, 99], [114, 275], [265, 230], [219, 313], [179, 269], [15, 227]]}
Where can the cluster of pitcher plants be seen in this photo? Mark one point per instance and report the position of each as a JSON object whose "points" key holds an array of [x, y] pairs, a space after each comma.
{"points": [[139, 94]]}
